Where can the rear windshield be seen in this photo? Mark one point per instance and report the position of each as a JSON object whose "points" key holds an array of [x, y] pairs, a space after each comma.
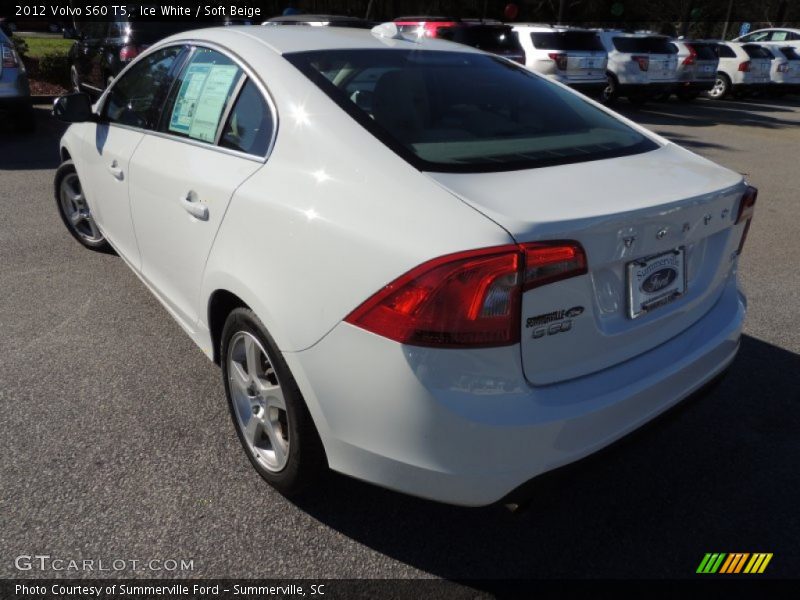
{"points": [[754, 51], [647, 45], [790, 53], [704, 51], [496, 39], [466, 112], [567, 40]]}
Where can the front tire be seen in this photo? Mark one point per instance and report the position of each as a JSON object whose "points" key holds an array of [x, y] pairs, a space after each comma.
{"points": [[610, 93], [74, 209], [268, 411]]}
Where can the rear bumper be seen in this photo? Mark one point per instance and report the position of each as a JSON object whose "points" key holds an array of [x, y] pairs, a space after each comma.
{"points": [[590, 88], [466, 427]]}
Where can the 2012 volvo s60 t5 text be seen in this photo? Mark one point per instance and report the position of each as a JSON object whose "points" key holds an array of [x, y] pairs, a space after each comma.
{"points": [[416, 263]]}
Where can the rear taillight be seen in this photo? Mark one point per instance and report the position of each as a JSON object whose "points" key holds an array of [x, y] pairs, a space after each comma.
{"points": [[692, 58], [744, 66], [747, 207], [9, 57], [469, 299], [127, 53], [642, 61], [560, 59]]}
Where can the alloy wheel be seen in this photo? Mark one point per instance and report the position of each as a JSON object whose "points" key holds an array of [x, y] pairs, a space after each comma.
{"points": [[76, 210], [258, 401]]}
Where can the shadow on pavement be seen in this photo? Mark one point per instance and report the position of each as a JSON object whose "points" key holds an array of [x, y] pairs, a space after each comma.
{"points": [[38, 150], [707, 113], [716, 473]]}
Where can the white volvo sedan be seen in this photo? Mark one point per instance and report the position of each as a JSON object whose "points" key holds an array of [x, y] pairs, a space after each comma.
{"points": [[416, 263]]}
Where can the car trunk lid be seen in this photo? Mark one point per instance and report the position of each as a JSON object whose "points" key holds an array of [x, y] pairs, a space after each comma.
{"points": [[663, 206]]}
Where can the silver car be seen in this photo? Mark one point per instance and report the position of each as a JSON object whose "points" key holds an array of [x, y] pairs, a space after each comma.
{"points": [[15, 93]]}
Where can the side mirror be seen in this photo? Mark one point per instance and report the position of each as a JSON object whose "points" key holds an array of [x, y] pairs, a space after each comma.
{"points": [[74, 108]]}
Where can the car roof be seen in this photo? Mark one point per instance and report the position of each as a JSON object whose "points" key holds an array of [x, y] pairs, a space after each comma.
{"points": [[284, 40]]}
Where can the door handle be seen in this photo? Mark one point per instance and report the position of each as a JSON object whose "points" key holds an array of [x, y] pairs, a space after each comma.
{"points": [[115, 170], [193, 207]]}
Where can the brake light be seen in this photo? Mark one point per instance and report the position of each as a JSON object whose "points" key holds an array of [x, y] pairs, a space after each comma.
{"points": [[692, 58], [127, 53], [560, 59], [643, 62], [745, 66], [747, 207], [9, 57], [468, 299]]}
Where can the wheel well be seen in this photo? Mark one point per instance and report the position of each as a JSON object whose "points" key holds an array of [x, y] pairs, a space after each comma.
{"points": [[65, 154], [220, 305]]}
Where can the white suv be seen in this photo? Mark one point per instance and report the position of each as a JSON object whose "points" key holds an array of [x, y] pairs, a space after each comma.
{"points": [[743, 68], [572, 56], [640, 66], [785, 72], [697, 68]]}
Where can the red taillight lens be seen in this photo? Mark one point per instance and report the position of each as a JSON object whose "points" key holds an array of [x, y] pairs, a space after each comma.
{"points": [[747, 207], [560, 59], [692, 58], [745, 66], [547, 262], [643, 62], [127, 53], [9, 57], [468, 299]]}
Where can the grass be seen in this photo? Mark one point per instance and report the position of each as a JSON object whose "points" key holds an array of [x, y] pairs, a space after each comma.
{"points": [[39, 46]]}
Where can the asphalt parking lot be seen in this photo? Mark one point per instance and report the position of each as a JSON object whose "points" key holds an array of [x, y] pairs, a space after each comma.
{"points": [[116, 440]]}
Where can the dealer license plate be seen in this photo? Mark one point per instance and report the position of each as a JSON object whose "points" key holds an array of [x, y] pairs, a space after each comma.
{"points": [[655, 281]]}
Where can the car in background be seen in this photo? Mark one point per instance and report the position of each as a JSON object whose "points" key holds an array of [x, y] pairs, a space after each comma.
{"points": [[487, 35], [640, 65], [103, 49], [321, 21], [529, 277], [15, 93], [743, 69], [697, 68], [572, 56], [785, 71], [782, 35]]}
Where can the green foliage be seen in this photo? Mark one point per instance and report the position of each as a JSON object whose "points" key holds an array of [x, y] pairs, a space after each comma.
{"points": [[38, 46], [54, 68], [21, 46]]}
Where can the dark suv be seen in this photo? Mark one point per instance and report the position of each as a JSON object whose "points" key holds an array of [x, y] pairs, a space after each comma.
{"points": [[102, 50], [487, 35]]}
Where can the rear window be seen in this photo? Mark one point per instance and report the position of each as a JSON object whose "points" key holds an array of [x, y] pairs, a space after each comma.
{"points": [[567, 40], [790, 53], [724, 51], [645, 45], [704, 51], [496, 39], [754, 51], [465, 112]]}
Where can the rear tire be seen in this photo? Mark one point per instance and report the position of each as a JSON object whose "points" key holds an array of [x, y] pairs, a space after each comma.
{"points": [[722, 87], [610, 93], [268, 411]]}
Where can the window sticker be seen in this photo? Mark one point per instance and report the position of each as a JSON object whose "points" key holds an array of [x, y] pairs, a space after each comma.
{"points": [[200, 101]]}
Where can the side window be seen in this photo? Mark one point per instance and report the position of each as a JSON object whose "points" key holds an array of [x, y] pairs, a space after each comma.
{"points": [[249, 127], [136, 98], [725, 52], [779, 36], [197, 104]]}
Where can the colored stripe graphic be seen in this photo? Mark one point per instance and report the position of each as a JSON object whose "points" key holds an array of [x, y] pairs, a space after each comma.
{"points": [[740, 563], [711, 562], [723, 563]]}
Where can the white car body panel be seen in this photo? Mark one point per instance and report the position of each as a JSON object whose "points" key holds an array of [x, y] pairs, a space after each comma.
{"points": [[662, 69], [759, 73], [333, 215], [785, 36]]}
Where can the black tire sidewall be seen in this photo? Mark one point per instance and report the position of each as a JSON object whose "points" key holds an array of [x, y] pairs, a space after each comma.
{"points": [[306, 457], [66, 168]]}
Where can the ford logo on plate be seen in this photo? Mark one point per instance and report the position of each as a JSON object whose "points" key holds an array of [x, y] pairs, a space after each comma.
{"points": [[658, 280]]}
